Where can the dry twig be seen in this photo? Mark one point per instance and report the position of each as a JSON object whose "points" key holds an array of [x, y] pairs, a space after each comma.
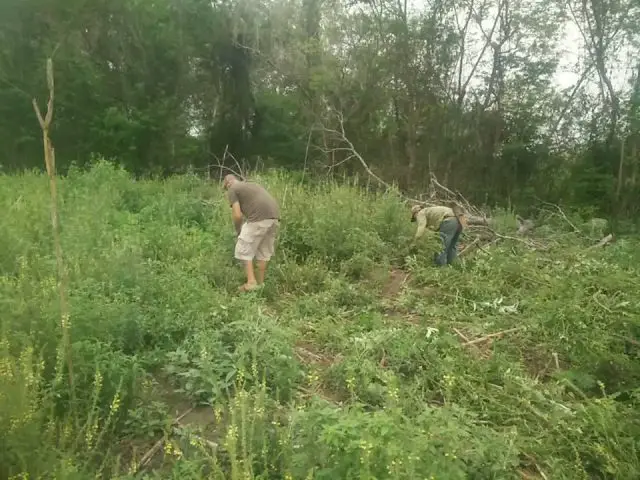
{"points": [[220, 165], [490, 336], [561, 213], [470, 246], [482, 353]]}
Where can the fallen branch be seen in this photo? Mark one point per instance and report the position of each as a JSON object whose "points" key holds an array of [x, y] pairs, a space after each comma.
{"points": [[302, 352], [490, 336], [528, 243], [469, 247], [438, 193], [604, 242], [461, 335], [482, 353], [147, 457], [561, 213], [477, 220], [474, 215], [309, 392]]}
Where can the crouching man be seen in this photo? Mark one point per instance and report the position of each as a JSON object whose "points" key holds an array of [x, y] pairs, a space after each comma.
{"points": [[256, 235], [445, 220]]}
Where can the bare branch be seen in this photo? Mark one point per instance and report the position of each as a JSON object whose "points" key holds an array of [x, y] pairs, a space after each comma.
{"points": [[569, 101], [561, 212], [220, 165], [50, 162], [463, 38], [488, 39], [342, 138]]}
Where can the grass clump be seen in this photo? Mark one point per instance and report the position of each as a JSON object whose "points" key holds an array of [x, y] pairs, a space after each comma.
{"points": [[357, 360]]}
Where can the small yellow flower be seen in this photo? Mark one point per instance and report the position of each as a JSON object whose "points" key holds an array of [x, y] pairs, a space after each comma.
{"points": [[217, 412], [115, 404]]}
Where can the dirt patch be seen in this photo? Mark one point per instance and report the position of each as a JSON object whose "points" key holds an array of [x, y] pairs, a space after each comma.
{"points": [[395, 283], [540, 363]]}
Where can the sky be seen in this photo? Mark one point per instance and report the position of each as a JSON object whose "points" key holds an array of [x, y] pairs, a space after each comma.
{"points": [[571, 51], [573, 43]]}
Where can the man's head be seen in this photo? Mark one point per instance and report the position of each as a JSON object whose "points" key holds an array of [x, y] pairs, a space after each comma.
{"points": [[228, 181]]}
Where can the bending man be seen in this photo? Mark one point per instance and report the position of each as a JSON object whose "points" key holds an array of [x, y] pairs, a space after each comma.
{"points": [[448, 221], [256, 237]]}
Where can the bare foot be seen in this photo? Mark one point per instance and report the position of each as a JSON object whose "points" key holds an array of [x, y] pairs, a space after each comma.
{"points": [[248, 287]]}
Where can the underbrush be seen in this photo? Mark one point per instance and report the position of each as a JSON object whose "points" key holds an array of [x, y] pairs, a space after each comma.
{"points": [[334, 370]]}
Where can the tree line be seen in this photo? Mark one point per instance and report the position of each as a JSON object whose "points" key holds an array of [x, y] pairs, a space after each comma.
{"points": [[460, 89]]}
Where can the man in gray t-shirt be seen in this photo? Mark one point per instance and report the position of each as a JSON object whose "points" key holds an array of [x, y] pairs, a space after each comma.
{"points": [[256, 237]]}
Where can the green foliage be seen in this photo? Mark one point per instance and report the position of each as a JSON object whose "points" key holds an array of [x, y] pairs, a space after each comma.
{"points": [[163, 87], [332, 370]]}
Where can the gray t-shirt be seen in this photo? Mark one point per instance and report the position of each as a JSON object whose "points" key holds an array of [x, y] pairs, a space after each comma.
{"points": [[255, 202]]}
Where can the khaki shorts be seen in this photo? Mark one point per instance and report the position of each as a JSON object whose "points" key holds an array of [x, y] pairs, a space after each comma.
{"points": [[257, 240]]}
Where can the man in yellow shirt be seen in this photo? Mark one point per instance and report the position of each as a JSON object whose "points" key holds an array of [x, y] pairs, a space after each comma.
{"points": [[448, 221]]}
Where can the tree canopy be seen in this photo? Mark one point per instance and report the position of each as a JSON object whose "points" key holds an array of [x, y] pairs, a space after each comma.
{"points": [[506, 101]]}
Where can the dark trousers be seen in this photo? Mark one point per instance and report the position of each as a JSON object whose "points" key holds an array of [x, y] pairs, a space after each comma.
{"points": [[450, 230]]}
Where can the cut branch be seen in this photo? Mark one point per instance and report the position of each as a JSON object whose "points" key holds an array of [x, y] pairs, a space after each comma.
{"points": [[605, 241], [561, 213], [492, 335]]}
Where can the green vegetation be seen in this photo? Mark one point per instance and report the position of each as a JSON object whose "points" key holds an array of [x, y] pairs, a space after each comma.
{"points": [[349, 364]]}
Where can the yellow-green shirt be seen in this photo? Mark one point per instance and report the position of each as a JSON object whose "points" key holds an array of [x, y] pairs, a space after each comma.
{"points": [[431, 217]]}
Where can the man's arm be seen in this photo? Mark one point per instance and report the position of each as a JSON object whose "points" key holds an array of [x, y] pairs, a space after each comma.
{"points": [[236, 215], [421, 218]]}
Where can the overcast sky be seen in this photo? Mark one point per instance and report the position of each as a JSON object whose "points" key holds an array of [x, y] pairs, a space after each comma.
{"points": [[570, 48]]}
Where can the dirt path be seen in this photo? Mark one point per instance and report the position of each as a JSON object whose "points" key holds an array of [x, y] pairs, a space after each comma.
{"points": [[396, 281]]}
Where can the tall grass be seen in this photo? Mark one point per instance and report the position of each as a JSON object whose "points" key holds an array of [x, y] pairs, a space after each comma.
{"points": [[322, 374]]}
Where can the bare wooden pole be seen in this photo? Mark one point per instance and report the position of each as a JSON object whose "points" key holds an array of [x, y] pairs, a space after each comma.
{"points": [[50, 162]]}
